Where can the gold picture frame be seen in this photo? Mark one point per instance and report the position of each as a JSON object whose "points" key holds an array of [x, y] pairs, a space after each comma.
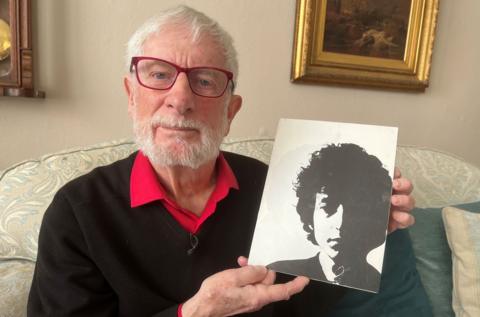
{"points": [[374, 43]]}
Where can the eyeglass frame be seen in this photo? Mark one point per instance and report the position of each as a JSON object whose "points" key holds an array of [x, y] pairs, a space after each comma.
{"points": [[180, 69]]}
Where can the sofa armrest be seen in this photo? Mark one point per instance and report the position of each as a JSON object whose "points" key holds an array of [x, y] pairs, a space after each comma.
{"points": [[15, 281]]}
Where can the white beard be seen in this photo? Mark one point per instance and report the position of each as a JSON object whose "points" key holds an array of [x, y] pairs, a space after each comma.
{"points": [[179, 152]]}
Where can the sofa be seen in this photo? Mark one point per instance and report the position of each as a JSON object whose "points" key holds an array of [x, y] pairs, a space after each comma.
{"points": [[440, 179]]}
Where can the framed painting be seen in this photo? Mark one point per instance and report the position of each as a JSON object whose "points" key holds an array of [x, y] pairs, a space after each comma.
{"points": [[375, 43]]}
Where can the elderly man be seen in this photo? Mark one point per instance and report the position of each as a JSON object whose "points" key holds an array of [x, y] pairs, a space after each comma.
{"points": [[162, 232]]}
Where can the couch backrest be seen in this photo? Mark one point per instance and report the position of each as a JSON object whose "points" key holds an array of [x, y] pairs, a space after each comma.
{"points": [[440, 179], [27, 188]]}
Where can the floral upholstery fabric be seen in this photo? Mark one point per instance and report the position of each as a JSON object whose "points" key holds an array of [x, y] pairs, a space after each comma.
{"points": [[26, 189], [440, 179], [15, 280]]}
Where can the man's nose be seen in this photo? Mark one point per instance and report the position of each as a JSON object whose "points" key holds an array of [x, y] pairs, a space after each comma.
{"points": [[339, 217], [180, 96]]}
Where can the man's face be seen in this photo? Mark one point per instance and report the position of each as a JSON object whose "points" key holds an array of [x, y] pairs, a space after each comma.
{"points": [[327, 222], [175, 126]]}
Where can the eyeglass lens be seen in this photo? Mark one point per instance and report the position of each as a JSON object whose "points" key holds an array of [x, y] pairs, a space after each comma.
{"points": [[162, 75]]}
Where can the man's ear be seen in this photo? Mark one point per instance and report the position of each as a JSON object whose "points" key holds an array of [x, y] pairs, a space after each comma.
{"points": [[128, 85], [233, 107]]}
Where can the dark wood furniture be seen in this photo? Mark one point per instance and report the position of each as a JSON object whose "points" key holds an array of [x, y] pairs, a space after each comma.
{"points": [[16, 66]]}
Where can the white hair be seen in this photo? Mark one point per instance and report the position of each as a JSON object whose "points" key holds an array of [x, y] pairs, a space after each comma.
{"points": [[199, 25]]}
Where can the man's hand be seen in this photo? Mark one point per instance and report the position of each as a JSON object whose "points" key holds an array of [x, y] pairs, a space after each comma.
{"points": [[402, 203], [240, 290]]}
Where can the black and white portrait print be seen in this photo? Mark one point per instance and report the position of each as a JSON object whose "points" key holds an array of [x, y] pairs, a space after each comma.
{"points": [[328, 222], [343, 200]]}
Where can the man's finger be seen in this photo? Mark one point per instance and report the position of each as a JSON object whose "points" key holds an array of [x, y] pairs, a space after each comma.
{"points": [[249, 274], [270, 278], [400, 220], [279, 292], [402, 185], [402, 202], [396, 173], [242, 261], [403, 218]]}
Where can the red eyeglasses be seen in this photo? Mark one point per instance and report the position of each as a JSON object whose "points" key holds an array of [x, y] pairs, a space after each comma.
{"points": [[159, 74]]}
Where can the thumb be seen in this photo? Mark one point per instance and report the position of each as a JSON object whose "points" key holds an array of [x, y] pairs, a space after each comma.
{"points": [[242, 261]]}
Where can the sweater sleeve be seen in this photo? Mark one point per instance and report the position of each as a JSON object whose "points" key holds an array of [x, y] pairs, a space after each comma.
{"points": [[66, 281]]}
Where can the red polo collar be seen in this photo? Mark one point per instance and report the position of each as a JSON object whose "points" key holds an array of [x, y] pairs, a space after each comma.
{"points": [[145, 188]]}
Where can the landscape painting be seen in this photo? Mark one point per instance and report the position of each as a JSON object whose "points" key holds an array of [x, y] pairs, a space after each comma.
{"points": [[372, 28]]}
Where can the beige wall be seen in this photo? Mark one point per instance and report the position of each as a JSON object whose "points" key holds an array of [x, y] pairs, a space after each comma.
{"points": [[80, 47]]}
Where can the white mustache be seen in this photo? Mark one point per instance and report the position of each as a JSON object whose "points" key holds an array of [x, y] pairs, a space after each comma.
{"points": [[172, 123]]}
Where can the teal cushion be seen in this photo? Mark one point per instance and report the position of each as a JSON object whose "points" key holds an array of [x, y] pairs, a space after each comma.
{"points": [[433, 256], [401, 292]]}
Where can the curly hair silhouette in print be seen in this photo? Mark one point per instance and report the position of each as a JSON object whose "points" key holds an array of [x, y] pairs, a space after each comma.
{"points": [[343, 200]]}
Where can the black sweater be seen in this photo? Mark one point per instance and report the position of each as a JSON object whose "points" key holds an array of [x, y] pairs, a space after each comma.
{"points": [[98, 256]]}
